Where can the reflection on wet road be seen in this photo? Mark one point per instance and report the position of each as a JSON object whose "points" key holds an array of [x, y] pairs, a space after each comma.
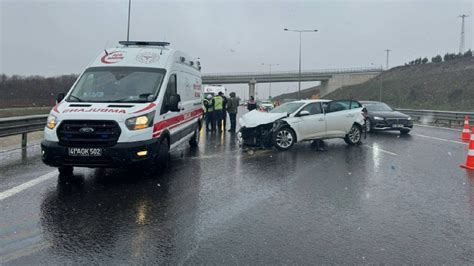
{"points": [[392, 200]]}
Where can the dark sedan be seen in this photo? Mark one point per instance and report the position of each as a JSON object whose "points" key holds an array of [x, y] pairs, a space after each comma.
{"points": [[383, 117]]}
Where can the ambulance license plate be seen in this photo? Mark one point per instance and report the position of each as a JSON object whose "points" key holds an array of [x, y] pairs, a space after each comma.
{"points": [[85, 152]]}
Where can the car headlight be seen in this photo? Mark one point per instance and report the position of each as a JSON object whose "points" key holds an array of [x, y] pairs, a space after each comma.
{"points": [[409, 118], [51, 122], [378, 118], [140, 122]]}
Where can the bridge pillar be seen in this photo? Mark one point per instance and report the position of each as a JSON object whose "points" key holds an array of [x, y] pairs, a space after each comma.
{"points": [[252, 88]]}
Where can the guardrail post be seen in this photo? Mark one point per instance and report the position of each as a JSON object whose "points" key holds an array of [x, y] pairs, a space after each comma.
{"points": [[24, 138]]}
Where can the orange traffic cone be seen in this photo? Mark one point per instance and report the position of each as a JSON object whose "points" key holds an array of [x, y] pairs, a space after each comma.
{"points": [[465, 135], [470, 154]]}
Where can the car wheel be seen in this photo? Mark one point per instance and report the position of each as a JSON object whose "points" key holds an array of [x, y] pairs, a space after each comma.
{"points": [[194, 141], [284, 138], [354, 136], [65, 173], [163, 154], [404, 131]]}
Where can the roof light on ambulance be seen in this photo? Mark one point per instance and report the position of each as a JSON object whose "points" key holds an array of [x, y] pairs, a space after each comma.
{"points": [[140, 122]]}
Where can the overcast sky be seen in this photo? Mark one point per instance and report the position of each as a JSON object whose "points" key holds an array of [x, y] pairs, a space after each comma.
{"points": [[62, 37]]}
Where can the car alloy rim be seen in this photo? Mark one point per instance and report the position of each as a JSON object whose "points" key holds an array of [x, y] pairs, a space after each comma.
{"points": [[284, 138], [354, 134]]}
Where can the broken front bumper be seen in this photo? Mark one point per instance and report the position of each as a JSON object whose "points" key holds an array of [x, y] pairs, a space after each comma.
{"points": [[260, 136]]}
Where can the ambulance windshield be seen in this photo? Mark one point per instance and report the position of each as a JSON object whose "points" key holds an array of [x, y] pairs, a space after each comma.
{"points": [[118, 84]]}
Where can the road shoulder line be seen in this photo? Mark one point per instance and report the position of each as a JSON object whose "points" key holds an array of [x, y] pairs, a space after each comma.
{"points": [[15, 190], [440, 139], [381, 150], [445, 128]]}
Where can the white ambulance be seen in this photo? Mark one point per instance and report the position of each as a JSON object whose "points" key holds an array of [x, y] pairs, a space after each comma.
{"points": [[130, 107], [213, 90]]}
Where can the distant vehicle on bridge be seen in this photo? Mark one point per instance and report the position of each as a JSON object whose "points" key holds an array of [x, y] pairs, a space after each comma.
{"points": [[380, 116]]}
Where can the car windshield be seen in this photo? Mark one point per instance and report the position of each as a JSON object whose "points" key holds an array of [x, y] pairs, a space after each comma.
{"points": [[287, 108], [377, 107], [117, 84]]}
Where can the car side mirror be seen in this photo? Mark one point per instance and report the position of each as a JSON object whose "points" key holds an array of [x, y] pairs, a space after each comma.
{"points": [[60, 97], [304, 113], [173, 104]]}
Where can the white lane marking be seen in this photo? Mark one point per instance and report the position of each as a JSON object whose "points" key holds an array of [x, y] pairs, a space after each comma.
{"points": [[440, 139], [12, 191], [378, 149], [446, 128]]}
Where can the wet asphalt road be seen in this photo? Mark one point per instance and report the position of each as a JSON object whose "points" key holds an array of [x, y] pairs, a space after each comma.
{"points": [[391, 200]]}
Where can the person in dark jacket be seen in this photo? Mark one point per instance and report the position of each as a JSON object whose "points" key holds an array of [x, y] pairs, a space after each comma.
{"points": [[232, 107], [224, 110], [209, 111], [252, 104]]}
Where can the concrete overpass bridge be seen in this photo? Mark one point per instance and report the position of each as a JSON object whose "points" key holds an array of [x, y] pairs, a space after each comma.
{"points": [[331, 79]]}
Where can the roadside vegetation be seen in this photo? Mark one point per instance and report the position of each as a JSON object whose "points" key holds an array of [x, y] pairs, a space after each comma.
{"points": [[447, 85]]}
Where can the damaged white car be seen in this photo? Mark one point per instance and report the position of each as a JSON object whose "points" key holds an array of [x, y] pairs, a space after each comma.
{"points": [[302, 121]]}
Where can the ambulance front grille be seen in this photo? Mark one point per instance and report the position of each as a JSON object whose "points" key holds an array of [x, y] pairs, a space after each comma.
{"points": [[88, 133]]}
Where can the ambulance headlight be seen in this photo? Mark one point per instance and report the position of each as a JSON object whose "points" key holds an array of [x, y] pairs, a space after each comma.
{"points": [[51, 122], [140, 122]]}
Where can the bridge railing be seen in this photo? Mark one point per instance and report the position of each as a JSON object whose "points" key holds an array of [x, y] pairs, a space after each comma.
{"points": [[22, 125], [303, 72], [447, 118]]}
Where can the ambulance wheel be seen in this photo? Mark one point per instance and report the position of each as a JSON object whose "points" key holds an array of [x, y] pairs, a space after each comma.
{"points": [[194, 141], [163, 154], [65, 173]]}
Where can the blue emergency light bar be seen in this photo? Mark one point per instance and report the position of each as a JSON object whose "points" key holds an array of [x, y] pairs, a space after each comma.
{"points": [[144, 43]]}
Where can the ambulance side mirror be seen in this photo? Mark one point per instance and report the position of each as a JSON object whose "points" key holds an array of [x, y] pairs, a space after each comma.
{"points": [[173, 104], [60, 97]]}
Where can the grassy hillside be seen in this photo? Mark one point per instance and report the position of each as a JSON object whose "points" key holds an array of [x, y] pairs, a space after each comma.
{"points": [[441, 86]]}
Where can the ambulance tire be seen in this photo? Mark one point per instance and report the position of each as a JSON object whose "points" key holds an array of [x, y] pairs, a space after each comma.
{"points": [[65, 173], [163, 154], [194, 141]]}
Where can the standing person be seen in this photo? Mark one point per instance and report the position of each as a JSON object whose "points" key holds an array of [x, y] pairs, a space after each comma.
{"points": [[224, 110], [209, 110], [232, 106], [218, 106], [252, 104]]}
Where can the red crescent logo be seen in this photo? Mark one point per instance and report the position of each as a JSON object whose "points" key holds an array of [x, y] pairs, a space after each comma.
{"points": [[112, 57]]}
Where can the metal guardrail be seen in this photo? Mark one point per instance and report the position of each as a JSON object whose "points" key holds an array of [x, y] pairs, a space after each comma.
{"points": [[448, 118], [22, 125]]}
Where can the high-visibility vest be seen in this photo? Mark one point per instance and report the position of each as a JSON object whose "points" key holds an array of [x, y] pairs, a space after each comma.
{"points": [[218, 101], [207, 105]]}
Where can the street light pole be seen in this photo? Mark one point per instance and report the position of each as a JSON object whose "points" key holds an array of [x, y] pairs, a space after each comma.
{"points": [[388, 52], [270, 83], [128, 27], [299, 73], [299, 61]]}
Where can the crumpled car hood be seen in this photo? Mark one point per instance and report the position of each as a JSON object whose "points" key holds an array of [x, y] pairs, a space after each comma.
{"points": [[256, 118]]}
